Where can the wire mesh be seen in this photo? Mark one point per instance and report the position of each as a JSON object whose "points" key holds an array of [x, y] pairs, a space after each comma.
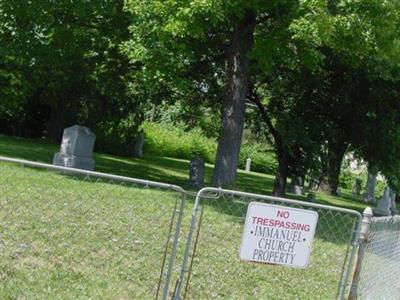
{"points": [[380, 268], [74, 235], [214, 270]]}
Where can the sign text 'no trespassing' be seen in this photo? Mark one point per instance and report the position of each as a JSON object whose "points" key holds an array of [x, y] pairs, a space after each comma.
{"points": [[278, 235]]}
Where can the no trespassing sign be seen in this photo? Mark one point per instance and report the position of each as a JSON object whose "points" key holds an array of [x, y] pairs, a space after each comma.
{"points": [[278, 235]]}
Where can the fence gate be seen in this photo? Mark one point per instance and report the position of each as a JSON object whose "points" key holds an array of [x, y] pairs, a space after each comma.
{"points": [[212, 269], [73, 234], [379, 260]]}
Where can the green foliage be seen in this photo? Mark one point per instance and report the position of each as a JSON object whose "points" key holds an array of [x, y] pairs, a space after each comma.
{"points": [[186, 117], [347, 179], [262, 158], [171, 141], [64, 58]]}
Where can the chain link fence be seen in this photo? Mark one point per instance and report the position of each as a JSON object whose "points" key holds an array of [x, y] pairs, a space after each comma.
{"points": [[379, 261], [73, 234], [212, 268]]}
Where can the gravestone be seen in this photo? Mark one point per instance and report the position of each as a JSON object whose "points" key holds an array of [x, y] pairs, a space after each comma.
{"points": [[248, 165], [393, 208], [139, 143], [196, 173], [311, 197], [76, 149], [384, 204], [296, 186], [356, 187], [369, 195]]}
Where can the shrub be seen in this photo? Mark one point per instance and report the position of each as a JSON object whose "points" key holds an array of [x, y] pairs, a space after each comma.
{"points": [[167, 140], [172, 141], [262, 159]]}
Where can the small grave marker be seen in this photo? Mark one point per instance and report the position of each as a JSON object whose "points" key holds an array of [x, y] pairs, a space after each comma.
{"points": [[248, 165]]}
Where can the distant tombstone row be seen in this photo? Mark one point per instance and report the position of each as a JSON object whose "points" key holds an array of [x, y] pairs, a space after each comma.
{"points": [[76, 149]]}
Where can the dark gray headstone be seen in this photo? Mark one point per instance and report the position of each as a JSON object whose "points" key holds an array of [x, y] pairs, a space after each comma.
{"points": [[139, 143], [357, 187], [76, 149], [196, 173], [311, 197]]}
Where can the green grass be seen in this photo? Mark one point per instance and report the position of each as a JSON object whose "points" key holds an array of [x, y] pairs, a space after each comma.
{"points": [[218, 272], [162, 169], [68, 237]]}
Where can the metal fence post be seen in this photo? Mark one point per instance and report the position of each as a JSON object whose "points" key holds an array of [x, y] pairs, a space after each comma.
{"points": [[363, 240]]}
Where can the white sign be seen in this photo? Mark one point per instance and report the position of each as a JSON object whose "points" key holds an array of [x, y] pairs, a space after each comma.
{"points": [[278, 235]]}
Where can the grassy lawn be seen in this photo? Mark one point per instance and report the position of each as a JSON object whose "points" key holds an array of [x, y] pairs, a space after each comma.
{"points": [[161, 169], [67, 237]]}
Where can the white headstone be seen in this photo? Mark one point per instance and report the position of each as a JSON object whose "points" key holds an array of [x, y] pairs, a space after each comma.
{"points": [[76, 148], [384, 204], [248, 165]]}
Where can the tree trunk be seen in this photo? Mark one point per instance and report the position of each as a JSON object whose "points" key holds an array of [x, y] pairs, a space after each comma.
{"points": [[282, 154], [369, 195], [233, 110], [281, 175], [330, 177], [56, 122]]}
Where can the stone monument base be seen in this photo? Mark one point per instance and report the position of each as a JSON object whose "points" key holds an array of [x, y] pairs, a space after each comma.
{"points": [[381, 212], [72, 161]]}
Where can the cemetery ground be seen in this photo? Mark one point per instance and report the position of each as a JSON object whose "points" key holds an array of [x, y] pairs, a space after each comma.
{"points": [[106, 240], [162, 169]]}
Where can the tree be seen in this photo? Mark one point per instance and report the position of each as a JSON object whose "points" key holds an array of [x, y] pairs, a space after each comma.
{"points": [[70, 67], [331, 46], [170, 38]]}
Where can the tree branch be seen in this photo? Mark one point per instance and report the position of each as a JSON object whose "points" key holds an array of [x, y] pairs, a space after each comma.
{"points": [[265, 117]]}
